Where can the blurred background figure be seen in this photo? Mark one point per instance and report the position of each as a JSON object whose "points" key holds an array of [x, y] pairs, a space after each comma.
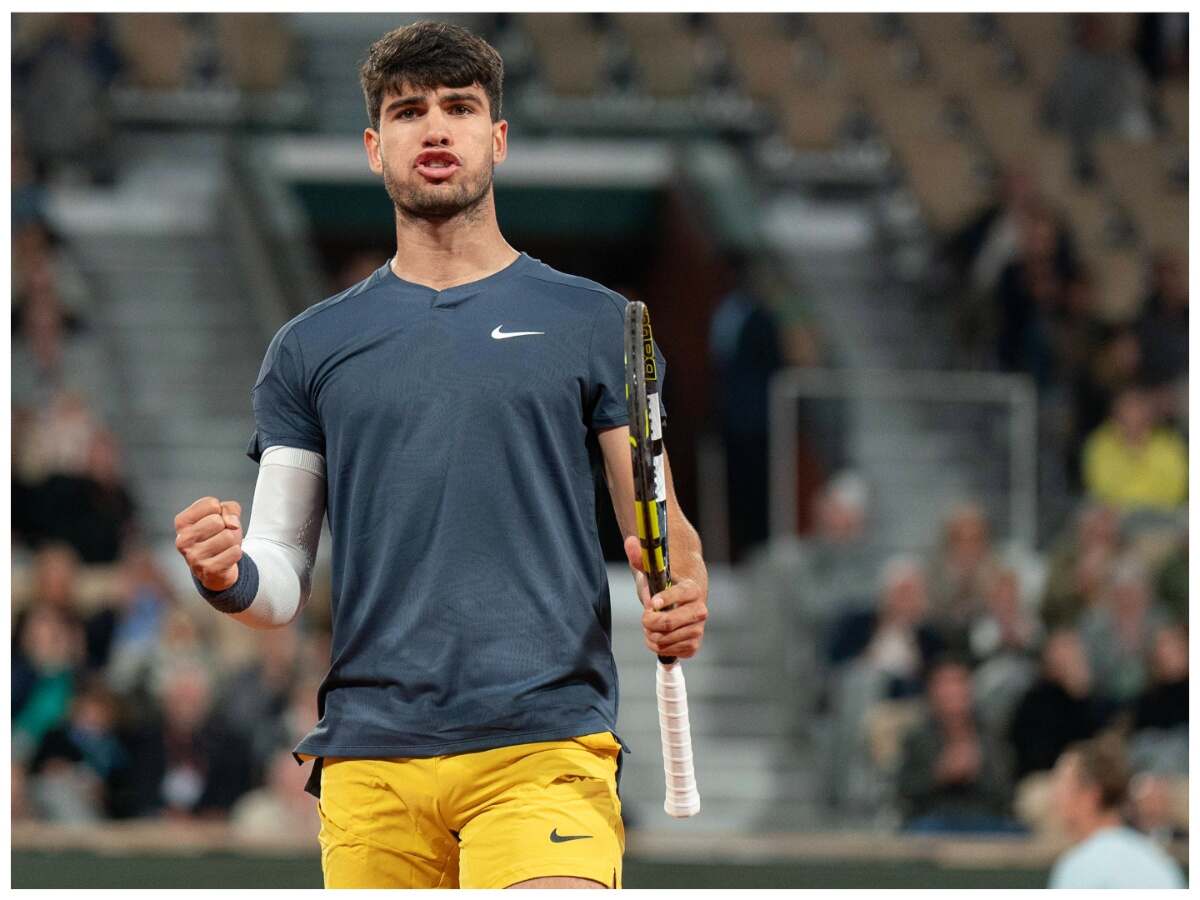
{"points": [[1119, 632], [744, 346], [953, 777], [1159, 728], [1060, 708], [1091, 781], [280, 809], [191, 762], [1131, 460], [1099, 88], [960, 572]]}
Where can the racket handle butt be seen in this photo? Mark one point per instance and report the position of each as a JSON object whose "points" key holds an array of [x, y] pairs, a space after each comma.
{"points": [[682, 799]]}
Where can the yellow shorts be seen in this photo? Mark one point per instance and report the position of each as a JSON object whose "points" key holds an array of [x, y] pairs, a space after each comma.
{"points": [[486, 819]]}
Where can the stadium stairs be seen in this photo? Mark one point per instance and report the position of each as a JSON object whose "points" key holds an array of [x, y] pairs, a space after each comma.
{"points": [[178, 321]]}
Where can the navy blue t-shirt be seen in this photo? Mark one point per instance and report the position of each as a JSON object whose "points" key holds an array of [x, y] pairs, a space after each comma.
{"points": [[459, 429]]}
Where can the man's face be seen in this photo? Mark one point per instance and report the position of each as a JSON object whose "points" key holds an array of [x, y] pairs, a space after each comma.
{"points": [[950, 692], [436, 150]]}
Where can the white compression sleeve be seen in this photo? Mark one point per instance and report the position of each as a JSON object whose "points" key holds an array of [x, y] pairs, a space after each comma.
{"points": [[284, 530]]}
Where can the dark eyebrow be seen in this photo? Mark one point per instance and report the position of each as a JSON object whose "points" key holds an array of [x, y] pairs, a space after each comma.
{"points": [[404, 101], [450, 98], [420, 98]]}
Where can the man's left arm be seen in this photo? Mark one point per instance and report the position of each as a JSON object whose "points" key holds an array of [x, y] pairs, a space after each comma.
{"points": [[678, 631]]}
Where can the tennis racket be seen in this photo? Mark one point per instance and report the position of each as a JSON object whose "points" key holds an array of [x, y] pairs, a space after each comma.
{"points": [[650, 507]]}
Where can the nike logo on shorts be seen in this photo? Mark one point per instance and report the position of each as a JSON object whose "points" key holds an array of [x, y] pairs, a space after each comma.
{"points": [[557, 838], [499, 335]]}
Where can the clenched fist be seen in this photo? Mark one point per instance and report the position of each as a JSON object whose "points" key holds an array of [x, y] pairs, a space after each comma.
{"points": [[208, 534]]}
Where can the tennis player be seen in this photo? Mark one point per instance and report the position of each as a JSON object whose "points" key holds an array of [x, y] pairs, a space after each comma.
{"points": [[448, 414]]}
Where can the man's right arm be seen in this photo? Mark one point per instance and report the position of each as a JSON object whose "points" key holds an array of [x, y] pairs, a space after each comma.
{"points": [[263, 580]]}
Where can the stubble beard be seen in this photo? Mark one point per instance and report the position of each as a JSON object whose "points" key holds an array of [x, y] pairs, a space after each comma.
{"points": [[439, 203]]}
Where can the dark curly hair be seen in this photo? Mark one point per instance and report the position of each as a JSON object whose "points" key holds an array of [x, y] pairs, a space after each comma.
{"points": [[428, 55]]}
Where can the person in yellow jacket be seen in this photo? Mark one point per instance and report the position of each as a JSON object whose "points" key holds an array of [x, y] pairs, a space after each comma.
{"points": [[1131, 462]]}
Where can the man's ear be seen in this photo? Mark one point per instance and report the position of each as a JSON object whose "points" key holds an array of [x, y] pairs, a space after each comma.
{"points": [[500, 141], [371, 142]]}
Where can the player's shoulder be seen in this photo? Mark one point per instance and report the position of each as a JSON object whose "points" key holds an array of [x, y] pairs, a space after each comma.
{"points": [[296, 327], [576, 287], [312, 315], [373, 282]]}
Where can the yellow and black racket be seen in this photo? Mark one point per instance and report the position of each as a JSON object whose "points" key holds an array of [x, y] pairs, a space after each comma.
{"points": [[650, 507]]}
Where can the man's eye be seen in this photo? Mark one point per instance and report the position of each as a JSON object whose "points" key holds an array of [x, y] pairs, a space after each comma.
{"points": [[462, 107], [406, 114]]}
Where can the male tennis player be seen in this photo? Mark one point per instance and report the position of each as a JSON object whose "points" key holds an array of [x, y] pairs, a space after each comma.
{"points": [[448, 412]]}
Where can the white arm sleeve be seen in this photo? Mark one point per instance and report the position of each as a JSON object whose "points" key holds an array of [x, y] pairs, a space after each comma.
{"points": [[283, 533]]}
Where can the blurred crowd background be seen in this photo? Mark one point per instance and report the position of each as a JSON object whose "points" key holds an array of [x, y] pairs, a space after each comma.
{"points": [[1024, 179]]}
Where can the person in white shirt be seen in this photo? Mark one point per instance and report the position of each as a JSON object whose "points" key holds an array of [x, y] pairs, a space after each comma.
{"points": [[1090, 783]]}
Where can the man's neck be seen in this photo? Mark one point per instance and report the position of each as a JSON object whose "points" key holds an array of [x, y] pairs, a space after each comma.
{"points": [[442, 254], [1102, 822]]}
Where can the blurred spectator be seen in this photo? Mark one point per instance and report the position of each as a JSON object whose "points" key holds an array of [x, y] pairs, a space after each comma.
{"points": [[835, 567], [45, 360], [59, 439], [960, 572], [1098, 89], [1061, 707], [1079, 564], [280, 809], [92, 511], [1160, 712], [875, 655], [1004, 643], [1161, 45], [744, 347], [1029, 291], [60, 86], [80, 767], [48, 653], [255, 699], [1112, 364], [1119, 632], [1090, 784], [189, 761], [41, 258], [1005, 626], [1172, 583], [987, 244], [815, 579], [1155, 807], [56, 574], [1131, 461], [139, 619], [953, 777], [1162, 326], [895, 639]]}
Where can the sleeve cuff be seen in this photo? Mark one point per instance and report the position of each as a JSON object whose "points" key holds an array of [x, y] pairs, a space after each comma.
{"points": [[239, 595]]}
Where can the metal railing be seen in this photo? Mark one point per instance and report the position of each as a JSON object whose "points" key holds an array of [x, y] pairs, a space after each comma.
{"points": [[1014, 394]]}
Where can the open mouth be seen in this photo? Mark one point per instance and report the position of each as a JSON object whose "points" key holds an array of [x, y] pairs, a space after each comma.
{"points": [[437, 165]]}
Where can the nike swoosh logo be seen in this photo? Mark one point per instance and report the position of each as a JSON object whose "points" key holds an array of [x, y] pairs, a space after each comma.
{"points": [[557, 838], [499, 335]]}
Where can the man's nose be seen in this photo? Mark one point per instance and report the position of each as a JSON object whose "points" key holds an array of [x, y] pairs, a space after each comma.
{"points": [[437, 131]]}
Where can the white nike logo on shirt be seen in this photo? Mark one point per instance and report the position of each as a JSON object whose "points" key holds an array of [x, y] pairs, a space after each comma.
{"points": [[501, 335]]}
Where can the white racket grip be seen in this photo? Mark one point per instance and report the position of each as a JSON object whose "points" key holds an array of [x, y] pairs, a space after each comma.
{"points": [[683, 799]]}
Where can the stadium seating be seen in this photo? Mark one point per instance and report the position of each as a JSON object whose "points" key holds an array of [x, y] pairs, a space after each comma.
{"points": [[158, 48], [664, 52], [576, 71], [255, 49]]}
